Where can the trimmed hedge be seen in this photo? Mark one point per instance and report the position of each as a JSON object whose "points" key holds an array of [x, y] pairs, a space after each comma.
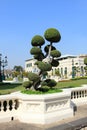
{"points": [[55, 53], [43, 66], [27, 84], [35, 51], [49, 82], [37, 40], [33, 77], [52, 35]]}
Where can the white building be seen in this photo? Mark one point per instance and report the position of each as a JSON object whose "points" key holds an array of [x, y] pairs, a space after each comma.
{"points": [[30, 66], [70, 66]]}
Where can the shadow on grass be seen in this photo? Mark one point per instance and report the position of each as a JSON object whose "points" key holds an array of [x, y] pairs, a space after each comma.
{"points": [[4, 86], [67, 87]]}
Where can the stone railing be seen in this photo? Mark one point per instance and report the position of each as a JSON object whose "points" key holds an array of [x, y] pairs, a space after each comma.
{"points": [[38, 109], [41, 109], [79, 95], [9, 105]]}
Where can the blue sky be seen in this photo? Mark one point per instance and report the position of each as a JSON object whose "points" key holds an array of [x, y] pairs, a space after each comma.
{"points": [[20, 20]]}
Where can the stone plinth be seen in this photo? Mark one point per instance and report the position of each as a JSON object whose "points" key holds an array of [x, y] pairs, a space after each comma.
{"points": [[44, 109]]}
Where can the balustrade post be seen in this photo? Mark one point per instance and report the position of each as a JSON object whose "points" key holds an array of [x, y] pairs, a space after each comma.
{"points": [[84, 93], [2, 106], [78, 94], [72, 94], [13, 104], [7, 105]]}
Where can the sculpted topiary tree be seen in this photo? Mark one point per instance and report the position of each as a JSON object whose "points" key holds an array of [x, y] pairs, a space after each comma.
{"points": [[45, 61], [85, 62]]}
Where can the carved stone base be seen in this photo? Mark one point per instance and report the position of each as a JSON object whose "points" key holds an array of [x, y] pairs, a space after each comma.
{"points": [[45, 109]]}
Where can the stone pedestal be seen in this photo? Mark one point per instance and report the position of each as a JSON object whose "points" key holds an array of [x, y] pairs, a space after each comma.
{"points": [[45, 109]]}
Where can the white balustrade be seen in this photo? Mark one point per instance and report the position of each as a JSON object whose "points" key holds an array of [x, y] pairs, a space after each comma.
{"points": [[79, 95], [41, 109], [8, 105], [80, 92]]}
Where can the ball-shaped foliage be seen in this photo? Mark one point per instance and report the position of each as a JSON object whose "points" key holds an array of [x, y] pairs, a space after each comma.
{"points": [[85, 67], [44, 66], [39, 56], [46, 49], [37, 40], [50, 82], [52, 35], [35, 51], [33, 77], [55, 53], [27, 84], [43, 83], [85, 61], [54, 63]]}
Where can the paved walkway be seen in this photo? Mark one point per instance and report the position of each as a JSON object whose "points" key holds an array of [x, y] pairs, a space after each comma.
{"points": [[75, 123]]}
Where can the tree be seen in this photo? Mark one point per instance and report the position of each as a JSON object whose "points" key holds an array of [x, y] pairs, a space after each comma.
{"points": [[17, 70], [85, 62], [48, 59]]}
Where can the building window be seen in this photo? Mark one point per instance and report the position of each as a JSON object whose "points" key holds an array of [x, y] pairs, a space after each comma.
{"points": [[58, 69], [29, 65], [61, 71], [82, 71], [65, 70]]}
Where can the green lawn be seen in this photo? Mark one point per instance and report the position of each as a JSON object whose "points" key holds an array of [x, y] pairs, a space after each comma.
{"points": [[71, 83], [9, 88]]}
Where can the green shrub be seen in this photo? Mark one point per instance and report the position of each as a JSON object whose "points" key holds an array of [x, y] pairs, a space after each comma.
{"points": [[49, 82], [35, 51], [33, 77], [43, 83], [52, 83], [27, 84], [55, 53], [52, 35], [37, 40], [44, 66], [44, 89], [1, 83], [39, 56], [54, 63]]}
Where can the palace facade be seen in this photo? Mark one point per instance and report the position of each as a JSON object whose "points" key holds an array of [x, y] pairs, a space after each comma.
{"points": [[70, 66]]}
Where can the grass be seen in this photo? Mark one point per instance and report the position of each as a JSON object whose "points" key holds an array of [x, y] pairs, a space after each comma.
{"points": [[54, 90], [9, 88], [71, 83]]}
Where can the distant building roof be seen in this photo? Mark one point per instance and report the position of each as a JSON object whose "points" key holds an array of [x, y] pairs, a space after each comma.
{"points": [[83, 55], [29, 59], [67, 56]]}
